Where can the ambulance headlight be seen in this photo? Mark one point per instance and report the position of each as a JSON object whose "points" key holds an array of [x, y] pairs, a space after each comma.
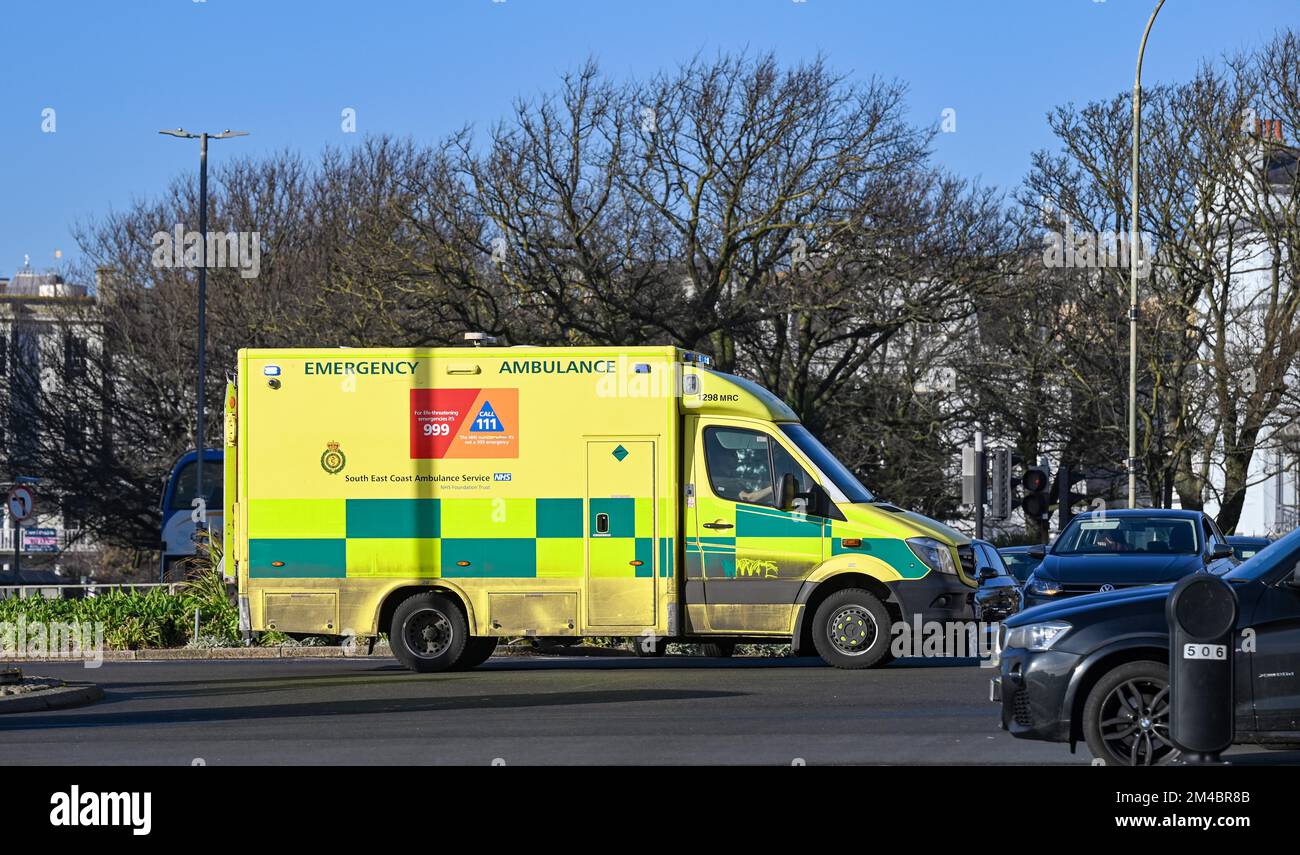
{"points": [[933, 554]]}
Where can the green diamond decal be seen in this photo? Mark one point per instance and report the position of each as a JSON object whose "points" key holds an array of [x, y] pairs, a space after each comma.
{"points": [[620, 452]]}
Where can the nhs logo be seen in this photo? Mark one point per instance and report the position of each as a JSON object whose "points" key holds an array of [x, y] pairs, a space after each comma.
{"points": [[500, 476]]}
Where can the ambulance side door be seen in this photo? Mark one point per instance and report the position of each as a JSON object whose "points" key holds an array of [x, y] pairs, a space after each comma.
{"points": [[750, 557]]}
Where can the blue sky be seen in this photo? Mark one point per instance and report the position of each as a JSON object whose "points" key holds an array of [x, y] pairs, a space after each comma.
{"points": [[117, 72]]}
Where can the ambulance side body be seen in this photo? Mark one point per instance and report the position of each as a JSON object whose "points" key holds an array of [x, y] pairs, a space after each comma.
{"points": [[610, 497]]}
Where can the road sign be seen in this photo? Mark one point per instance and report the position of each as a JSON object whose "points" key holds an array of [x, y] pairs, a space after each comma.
{"points": [[40, 540], [21, 503]]}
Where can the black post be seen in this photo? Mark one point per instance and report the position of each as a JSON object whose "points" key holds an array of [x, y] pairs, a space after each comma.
{"points": [[1202, 614], [1063, 512], [18, 576], [203, 322]]}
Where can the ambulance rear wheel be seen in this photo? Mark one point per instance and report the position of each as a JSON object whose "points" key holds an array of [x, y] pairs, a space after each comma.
{"points": [[477, 651], [851, 630], [429, 632]]}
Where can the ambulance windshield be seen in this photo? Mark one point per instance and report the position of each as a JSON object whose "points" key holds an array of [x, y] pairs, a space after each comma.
{"points": [[850, 486]]}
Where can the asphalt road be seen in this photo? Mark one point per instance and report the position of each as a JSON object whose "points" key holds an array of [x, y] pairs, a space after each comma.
{"points": [[523, 711]]}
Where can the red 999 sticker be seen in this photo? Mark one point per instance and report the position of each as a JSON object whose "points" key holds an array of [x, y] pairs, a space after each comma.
{"points": [[464, 423]]}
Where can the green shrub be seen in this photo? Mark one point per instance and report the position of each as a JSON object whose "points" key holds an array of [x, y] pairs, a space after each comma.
{"points": [[135, 620], [131, 620]]}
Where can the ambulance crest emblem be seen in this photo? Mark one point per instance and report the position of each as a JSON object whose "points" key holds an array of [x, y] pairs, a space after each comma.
{"points": [[333, 460]]}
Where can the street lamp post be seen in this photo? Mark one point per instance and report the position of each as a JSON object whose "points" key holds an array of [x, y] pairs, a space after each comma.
{"points": [[1133, 270], [203, 297]]}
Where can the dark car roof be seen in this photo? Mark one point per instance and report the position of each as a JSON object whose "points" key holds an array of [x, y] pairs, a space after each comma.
{"points": [[1247, 540], [1015, 550], [1158, 513]]}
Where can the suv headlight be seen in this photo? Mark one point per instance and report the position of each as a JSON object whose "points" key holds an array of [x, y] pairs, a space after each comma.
{"points": [[935, 555], [1045, 587], [1036, 636]]}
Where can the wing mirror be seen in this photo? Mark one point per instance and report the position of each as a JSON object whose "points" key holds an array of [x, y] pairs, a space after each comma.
{"points": [[1038, 552], [1220, 550], [789, 489], [987, 573]]}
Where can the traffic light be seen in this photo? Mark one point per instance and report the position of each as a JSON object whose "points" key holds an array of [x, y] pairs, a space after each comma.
{"points": [[1066, 498], [1000, 504], [1038, 499]]}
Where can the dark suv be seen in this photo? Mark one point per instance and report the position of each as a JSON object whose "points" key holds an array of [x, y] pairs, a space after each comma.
{"points": [[1095, 668], [1116, 549]]}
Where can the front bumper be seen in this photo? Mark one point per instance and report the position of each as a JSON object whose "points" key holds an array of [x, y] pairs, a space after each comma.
{"points": [[935, 597], [1031, 688]]}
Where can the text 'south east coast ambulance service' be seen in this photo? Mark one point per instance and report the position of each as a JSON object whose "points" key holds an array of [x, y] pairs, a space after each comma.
{"points": [[451, 497]]}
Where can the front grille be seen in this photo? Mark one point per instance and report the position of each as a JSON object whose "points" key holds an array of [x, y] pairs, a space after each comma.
{"points": [[1020, 708], [967, 555]]}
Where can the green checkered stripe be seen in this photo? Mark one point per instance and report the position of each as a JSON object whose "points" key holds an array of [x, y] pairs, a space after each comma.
{"points": [[450, 538], [714, 557], [757, 528], [890, 550]]}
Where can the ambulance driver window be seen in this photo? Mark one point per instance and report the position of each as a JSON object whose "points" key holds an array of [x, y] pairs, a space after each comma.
{"points": [[739, 467], [782, 463]]}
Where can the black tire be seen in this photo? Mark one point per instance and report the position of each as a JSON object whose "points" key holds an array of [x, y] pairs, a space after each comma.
{"points": [[648, 646], [1126, 716], [851, 629], [428, 633], [718, 649], [477, 650]]}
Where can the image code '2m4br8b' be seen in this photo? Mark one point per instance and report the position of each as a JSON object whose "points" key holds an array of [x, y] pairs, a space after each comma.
{"points": [[452, 497]]}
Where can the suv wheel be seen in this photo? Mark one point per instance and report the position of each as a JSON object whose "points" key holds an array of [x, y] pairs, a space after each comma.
{"points": [[1126, 716]]}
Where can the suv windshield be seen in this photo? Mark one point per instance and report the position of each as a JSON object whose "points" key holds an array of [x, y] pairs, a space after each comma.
{"points": [[841, 477], [1128, 535]]}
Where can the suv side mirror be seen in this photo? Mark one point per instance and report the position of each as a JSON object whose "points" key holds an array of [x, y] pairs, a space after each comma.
{"points": [[789, 489], [1220, 550], [987, 573], [1039, 552], [1293, 581]]}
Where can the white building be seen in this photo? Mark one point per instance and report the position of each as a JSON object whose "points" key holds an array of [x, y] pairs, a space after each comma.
{"points": [[41, 343], [1273, 499]]}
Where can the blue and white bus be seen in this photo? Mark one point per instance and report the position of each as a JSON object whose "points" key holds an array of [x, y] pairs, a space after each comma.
{"points": [[178, 508]]}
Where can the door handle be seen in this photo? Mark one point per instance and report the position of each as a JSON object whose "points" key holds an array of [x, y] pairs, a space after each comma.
{"points": [[719, 524]]}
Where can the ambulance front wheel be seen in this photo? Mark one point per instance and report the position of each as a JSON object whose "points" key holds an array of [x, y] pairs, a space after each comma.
{"points": [[851, 629], [429, 632]]}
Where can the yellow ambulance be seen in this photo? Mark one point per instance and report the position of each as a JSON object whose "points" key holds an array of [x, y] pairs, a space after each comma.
{"points": [[450, 497]]}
